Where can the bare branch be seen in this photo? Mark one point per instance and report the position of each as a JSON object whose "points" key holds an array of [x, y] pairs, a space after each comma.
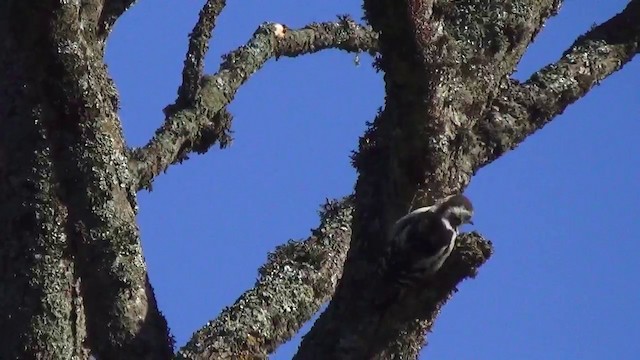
{"points": [[525, 108], [184, 126], [111, 12], [198, 46], [296, 280], [344, 34]]}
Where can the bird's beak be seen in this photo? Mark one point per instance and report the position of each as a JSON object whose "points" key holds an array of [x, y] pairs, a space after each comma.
{"points": [[470, 222]]}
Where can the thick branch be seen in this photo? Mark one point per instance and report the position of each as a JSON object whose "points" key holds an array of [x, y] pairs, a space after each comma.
{"points": [[296, 280], [525, 108], [111, 12], [400, 321], [184, 126]]}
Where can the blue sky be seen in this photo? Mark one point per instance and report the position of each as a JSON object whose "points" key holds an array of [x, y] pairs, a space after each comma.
{"points": [[560, 209]]}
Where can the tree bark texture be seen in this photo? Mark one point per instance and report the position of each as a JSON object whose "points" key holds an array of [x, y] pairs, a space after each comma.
{"points": [[73, 280], [449, 94]]}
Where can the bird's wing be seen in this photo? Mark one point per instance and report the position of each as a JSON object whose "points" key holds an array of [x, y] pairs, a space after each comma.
{"points": [[439, 235], [402, 223], [426, 238]]}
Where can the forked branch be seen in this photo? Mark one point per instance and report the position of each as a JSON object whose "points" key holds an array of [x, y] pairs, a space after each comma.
{"points": [[448, 112], [524, 108], [187, 123]]}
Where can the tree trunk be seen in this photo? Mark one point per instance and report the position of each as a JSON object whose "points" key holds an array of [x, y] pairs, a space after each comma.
{"points": [[73, 280]]}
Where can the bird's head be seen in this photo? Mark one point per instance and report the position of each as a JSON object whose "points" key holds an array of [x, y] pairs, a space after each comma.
{"points": [[457, 209]]}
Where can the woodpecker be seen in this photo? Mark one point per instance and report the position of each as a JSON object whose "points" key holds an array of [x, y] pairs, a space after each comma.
{"points": [[422, 240]]}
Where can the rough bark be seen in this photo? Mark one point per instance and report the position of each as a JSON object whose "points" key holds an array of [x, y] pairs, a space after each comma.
{"points": [[73, 281], [450, 109], [195, 126], [73, 276], [296, 280]]}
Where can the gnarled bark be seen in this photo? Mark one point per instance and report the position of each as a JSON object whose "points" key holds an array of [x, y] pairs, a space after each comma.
{"points": [[450, 109], [73, 281], [73, 277]]}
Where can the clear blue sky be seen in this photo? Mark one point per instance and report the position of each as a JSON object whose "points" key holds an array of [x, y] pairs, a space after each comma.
{"points": [[560, 209]]}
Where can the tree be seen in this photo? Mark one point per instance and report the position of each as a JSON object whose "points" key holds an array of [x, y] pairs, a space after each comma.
{"points": [[74, 280]]}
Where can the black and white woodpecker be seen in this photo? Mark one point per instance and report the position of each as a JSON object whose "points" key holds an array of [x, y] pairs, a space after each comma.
{"points": [[422, 240]]}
